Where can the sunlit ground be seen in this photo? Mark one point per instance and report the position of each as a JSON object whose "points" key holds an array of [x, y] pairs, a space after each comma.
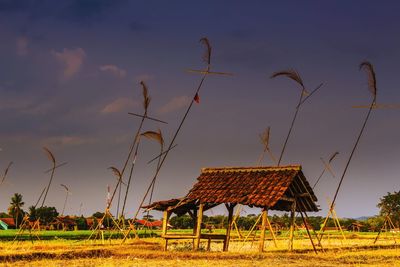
{"points": [[355, 250]]}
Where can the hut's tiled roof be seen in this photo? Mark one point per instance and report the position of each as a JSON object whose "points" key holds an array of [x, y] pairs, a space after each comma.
{"points": [[267, 187]]}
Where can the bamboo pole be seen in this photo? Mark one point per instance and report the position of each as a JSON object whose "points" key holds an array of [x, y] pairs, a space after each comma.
{"points": [[292, 222], [198, 227], [292, 74], [203, 40], [264, 222], [228, 229], [372, 87]]}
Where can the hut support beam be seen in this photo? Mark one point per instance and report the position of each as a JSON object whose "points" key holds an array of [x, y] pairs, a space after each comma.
{"points": [[292, 222], [166, 216], [264, 222], [230, 208], [198, 227]]}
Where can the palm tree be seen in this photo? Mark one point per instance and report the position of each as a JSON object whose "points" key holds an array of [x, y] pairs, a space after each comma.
{"points": [[15, 208]]}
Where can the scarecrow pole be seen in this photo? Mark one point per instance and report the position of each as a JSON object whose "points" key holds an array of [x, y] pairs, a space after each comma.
{"points": [[196, 98], [67, 192], [294, 75], [136, 141], [368, 67], [159, 138], [53, 160]]}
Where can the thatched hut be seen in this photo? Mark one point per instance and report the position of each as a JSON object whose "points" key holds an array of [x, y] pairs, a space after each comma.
{"points": [[270, 188]]}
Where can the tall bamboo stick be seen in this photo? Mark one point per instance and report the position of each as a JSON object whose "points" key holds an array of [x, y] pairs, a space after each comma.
{"points": [[135, 143], [207, 59], [367, 66], [53, 160], [6, 172], [304, 95]]}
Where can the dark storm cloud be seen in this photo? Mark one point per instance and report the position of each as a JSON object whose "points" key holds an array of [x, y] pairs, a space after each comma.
{"points": [[80, 11]]}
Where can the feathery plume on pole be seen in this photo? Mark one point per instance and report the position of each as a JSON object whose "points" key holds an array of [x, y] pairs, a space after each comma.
{"points": [[207, 59], [304, 95], [157, 136], [51, 157], [367, 66], [134, 148]]}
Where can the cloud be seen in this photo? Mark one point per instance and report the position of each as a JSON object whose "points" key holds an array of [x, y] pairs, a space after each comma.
{"points": [[22, 46], [67, 140], [175, 104], [72, 59], [118, 72], [118, 105]]}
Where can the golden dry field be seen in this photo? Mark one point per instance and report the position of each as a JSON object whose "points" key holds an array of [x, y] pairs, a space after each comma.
{"points": [[355, 251]]}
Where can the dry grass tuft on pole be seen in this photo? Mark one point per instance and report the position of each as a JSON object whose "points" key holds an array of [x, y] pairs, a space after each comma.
{"points": [[294, 75], [368, 67], [195, 98], [51, 157]]}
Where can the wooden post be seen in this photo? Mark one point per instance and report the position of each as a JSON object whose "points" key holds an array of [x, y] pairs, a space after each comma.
{"points": [[292, 222], [194, 218], [228, 229], [198, 227], [164, 223], [263, 226], [272, 231], [165, 228]]}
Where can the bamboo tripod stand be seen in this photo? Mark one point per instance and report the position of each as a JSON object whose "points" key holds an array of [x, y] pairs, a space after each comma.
{"points": [[26, 224], [34, 231], [98, 232], [387, 224], [331, 215]]}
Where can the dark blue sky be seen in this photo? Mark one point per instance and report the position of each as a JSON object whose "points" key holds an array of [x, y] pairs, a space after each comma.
{"points": [[70, 72]]}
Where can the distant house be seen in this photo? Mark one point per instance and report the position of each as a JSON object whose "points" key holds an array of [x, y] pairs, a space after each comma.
{"points": [[356, 226], [151, 224], [64, 223], [6, 223]]}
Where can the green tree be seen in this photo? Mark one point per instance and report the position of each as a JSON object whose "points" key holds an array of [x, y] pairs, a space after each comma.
{"points": [[182, 222], [46, 214], [81, 223], [15, 209], [98, 214], [390, 205], [32, 213]]}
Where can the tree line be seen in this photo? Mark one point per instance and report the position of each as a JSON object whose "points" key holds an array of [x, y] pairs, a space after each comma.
{"points": [[389, 205]]}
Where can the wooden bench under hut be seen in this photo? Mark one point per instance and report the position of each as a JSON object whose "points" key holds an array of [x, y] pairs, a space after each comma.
{"points": [[270, 188]]}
